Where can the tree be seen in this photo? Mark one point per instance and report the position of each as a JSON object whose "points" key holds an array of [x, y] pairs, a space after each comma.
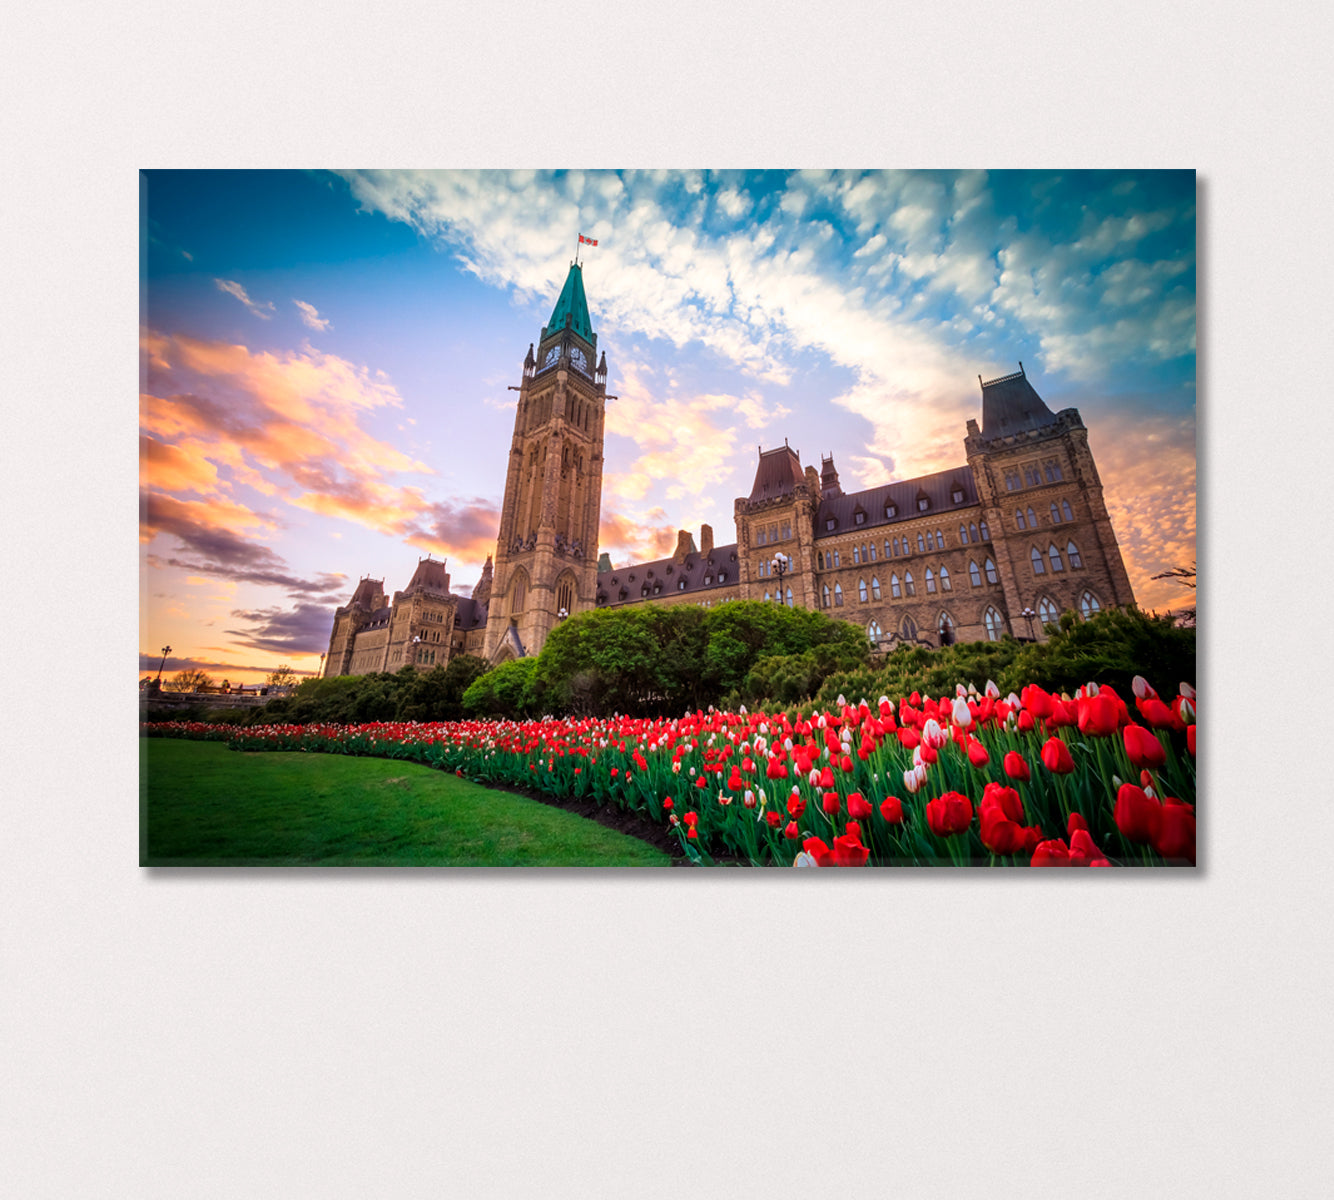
{"points": [[190, 680], [1186, 577], [284, 676]]}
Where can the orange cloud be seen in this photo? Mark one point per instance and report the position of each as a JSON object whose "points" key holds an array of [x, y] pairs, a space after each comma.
{"points": [[179, 468], [626, 539]]}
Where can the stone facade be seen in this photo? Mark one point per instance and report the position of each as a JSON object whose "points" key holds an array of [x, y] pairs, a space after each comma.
{"points": [[1002, 543]]}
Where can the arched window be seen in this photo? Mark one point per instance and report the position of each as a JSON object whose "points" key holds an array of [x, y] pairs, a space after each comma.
{"points": [[565, 594], [963, 535], [767, 597], [909, 629], [930, 580], [789, 598], [909, 588], [945, 629], [819, 562], [681, 585], [1019, 522], [824, 596], [836, 562], [1035, 555], [921, 544], [887, 554], [986, 533], [896, 547], [1055, 514], [994, 625], [1032, 519], [1075, 561], [874, 632], [894, 589], [873, 552], [861, 590], [1088, 605], [992, 576], [856, 555], [972, 530], [974, 574], [875, 588], [944, 579], [519, 593], [1065, 510], [1047, 613], [838, 595], [1054, 555]]}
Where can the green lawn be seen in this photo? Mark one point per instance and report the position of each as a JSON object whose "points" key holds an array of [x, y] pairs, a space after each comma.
{"points": [[204, 805]]}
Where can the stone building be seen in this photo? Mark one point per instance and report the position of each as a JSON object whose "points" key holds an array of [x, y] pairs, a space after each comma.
{"points": [[1004, 542]]}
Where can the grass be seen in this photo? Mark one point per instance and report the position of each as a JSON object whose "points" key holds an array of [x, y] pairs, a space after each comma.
{"points": [[202, 804]]}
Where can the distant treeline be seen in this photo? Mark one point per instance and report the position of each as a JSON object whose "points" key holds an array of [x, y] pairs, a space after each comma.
{"points": [[654, 661]]}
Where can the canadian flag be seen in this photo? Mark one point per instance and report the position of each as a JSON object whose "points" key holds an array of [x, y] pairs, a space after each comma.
{"points": [[583, 241]]}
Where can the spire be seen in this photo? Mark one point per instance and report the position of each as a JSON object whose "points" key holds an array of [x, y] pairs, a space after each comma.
{"points": [[1010, 406], [571, 311]]}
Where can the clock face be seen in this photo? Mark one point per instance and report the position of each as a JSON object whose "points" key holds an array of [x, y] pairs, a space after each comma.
{"points": [[552, 355], [580, 362]]}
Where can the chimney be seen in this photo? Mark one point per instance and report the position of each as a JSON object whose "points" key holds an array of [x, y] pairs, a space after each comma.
{"points": [[685, 545], [705, 539]]}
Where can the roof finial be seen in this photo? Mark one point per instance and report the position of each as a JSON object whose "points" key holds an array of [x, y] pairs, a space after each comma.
{"points": [[1021, 368], [979, 381]]}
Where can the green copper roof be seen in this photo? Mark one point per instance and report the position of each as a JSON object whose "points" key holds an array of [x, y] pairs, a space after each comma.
{"points": [[572, 304]]}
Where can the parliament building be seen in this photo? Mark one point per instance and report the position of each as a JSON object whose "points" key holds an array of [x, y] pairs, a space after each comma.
{"points": [[1003, 543]]}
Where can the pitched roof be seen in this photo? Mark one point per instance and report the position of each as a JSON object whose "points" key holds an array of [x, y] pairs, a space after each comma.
{"points": [[430, 575], [572, 304], [638, 581], [937, 489], [1010, 405], [778, 472], [469, 614]]}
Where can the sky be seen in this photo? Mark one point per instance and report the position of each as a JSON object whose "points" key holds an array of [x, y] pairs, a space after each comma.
{"points": [[327, 361]]}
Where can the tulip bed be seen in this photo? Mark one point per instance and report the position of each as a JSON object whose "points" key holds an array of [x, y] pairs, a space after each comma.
{"points": [[1033, 779]]}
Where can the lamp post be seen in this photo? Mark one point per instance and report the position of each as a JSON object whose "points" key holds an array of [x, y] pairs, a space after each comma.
{"points": [[416, 643], [779, 563], [321, 671], [1028, 614], [157, 683], [562, 613]]}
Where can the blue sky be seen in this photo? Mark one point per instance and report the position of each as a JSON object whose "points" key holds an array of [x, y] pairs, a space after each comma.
{"points": [[327, 356]]}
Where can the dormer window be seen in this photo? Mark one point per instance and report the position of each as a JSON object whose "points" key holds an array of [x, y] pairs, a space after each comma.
{"points": [[831, 524], [681, 587], [923, 503], [859, 518], [957, 495], [891, 510]]}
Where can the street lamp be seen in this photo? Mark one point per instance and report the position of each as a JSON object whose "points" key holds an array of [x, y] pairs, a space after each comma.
{"points": [[321, 671], [157, 683], [779, 564], [416, 642], [562, 613], [1028, 614]]}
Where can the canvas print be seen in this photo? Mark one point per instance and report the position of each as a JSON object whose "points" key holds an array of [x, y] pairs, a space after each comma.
{"points": [[668, 518]]}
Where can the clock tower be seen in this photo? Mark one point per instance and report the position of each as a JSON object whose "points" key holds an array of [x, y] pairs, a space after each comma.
{"points": [[547, 551]]}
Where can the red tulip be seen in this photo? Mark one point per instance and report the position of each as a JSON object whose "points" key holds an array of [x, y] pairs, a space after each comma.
{"points": [[1083, 852], [858, 809], [1157, 713], [1144, 749], [1137, 815], [1036, 701], [827, 777], [1025, 724], [977, 754], [1075, 821], [1175, 838], [791, 832], [667, 803], [1056, 757], [1053, 853], [892, 810], [795, 805], [775, 819], [1097, 715], [849, 852], [830, 802], [1016, 768], [1190, 739], [950, 813], [691, 819]]}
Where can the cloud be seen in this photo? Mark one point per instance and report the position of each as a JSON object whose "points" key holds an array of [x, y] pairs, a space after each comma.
{"points": [[303, 629], [461, 529], [310, 316], [232, 288], [148, 665], [627, 538]]}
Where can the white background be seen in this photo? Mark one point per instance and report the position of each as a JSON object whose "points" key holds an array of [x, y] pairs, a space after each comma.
{"points": [[259, 1034]]}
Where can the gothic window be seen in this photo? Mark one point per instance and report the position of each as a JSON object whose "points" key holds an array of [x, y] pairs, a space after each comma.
{"points": [[838, 595], [874, 632], [872, 547], [787, 530], [1065, 510], [1019, 522], [565, 594], [940, 539], [894, 589], [974, 574], [887, 553], [1052, 469], [773, 533], [1032, 476], [963, 535], [861, 590], [944, 579], [519, 593], [1055, 556], [992, 576], [856, 556], [909, 588], [930, 580], [1035, 555], [824, 596], [896, 547], [945, 628], [1088, 605], [788, 601], [836, 559], [986, 533], [921, 544], [875, 588], [1047, 613], [972, 532], [760, 536], [1012, 481], [1055, 514], [995, 627], [767, 597], [909, 629], [1075, 561]]}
